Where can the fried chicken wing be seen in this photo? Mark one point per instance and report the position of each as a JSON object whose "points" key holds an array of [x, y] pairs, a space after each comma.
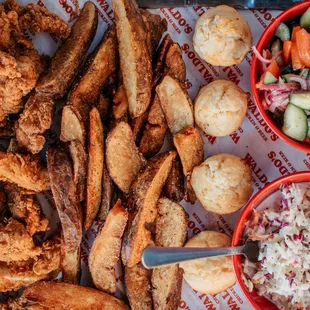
{"points": [[18, 76], [24, 170], [33, 122], [23, 206], [37, 18], [16, 243], [23, 273]]}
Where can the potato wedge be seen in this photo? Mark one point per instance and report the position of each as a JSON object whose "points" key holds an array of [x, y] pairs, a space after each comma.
{"points": [[171, 231], [69, 296], [64, 192], [174, 187], [175, 103], [135, 58], [138, 287], [120, 107], [189, 145], [155, 130], [79, 160], [123, 159], [156, 28], [99, 67], [174, 63], [94, 167], [65, 63], [159, 64], [137, 125], [107, 195], [106, 249], [72, 126], [144, 193]]}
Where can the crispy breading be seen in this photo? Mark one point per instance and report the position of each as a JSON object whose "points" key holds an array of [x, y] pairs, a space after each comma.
{"points": [[18, 76], [5, 34], [13, 304], [15, 275], [16, 243], [33, 122], [24, 170], [105, 252], [3, 203], [23, 206], [37, 18], [69, 296], [12, 5]]}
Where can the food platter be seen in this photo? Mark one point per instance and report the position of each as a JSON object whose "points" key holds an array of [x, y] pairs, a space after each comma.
{"points": [[266, 154]]}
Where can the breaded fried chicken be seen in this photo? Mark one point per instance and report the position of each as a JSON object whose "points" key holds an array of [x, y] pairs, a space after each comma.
{"points": [[18, 76], [23, 206], [3, 203], [37, 18], [12, 5], [25, 171], [13, 304], [16, 243], [33, 122], [45, 266], [5, 33]]}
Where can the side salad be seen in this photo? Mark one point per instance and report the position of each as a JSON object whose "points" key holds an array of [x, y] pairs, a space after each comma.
{"points": [[282, 273], [284, 82]]}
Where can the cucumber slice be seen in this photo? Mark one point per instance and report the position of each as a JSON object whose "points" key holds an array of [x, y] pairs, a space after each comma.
{"points": [[286, 77], [283, 32], [301, 100], [305, 20], [295, 123], [269, 78]]}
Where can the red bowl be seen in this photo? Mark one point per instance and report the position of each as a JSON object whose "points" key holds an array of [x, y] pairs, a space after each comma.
{"points": [[259, 302], [266, 37]]}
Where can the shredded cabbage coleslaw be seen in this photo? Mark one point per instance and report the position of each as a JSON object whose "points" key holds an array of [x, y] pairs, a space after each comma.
{"points": [[282, 273]]}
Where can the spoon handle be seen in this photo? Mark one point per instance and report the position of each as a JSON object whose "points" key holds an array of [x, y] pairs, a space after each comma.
{"points": [[153, 256]]}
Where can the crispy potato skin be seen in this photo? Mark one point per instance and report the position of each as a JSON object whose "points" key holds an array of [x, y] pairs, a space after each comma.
{"points": [[145, 192], [64, 65], [175, 103], [95, 167], [174, 187], [99, 67], [64, 192], [171, 231], [79, 160], [106, 249], [174, 63], [189, 145], [69, 296], [72, 125], [120, 146], [138, 287], [135, 58]]}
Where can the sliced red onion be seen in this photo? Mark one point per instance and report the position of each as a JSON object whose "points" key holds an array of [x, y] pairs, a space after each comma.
{"points": [[303, 82], [259, 56], [285, 87]]}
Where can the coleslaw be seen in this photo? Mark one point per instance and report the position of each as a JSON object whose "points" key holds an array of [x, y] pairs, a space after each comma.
{"points": [[282, 273]]}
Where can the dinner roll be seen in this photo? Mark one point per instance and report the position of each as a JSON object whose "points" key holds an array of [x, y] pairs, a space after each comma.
{"points": [[209, 275], [220, 108], [222, 183], [222, 37]]}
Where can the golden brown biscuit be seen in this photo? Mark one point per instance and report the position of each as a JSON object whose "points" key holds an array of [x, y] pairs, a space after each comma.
{"points": [[222, 183], [209, 275], [222, 37], [220, 108]]}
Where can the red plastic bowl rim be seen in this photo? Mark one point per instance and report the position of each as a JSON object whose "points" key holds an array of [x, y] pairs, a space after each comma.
{"points": [[260, 196], [295, 10]]}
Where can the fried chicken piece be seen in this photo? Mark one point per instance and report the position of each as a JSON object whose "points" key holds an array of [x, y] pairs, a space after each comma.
{"points": [[16, 243], [37, 18], [3, 203], [45, 266], [5, 33], [33, 122], [13, 304], [12, 5], [24, 170], [18, 76], [23, 206]]}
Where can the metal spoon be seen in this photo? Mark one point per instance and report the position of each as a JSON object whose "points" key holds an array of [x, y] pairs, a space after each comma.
{"points": [[154, 256]]}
